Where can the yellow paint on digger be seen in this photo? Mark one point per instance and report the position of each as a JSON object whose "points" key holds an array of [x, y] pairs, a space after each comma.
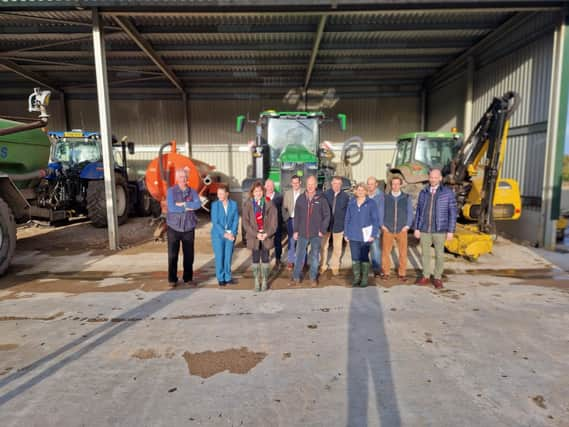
{"points": [[469, 242]]}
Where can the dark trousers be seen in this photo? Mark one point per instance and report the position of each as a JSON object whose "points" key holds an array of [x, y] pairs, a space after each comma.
{"points": [[278, 243], [260, 254], [359, 251], [174, 239]]}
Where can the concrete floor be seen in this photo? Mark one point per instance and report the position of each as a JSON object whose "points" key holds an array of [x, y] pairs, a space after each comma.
{"points": [[88, 338]]}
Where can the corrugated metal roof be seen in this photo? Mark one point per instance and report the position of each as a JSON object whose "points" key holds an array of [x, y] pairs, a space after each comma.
{"points": [[376, 46]]}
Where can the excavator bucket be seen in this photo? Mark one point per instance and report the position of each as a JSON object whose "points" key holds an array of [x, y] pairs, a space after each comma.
{"points": [[469, 242]]}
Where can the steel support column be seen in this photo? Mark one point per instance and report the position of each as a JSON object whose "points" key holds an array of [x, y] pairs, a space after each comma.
{"points": [[467, 127], [188, 129], [424, 109], [105, 128], [556, 133], [63, 110]]}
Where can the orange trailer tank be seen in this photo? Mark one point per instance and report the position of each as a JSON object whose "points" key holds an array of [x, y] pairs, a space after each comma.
{"points": [[161, 173]]}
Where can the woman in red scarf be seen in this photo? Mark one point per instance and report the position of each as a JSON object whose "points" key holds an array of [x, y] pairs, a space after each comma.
{"points": [[260, 225]]}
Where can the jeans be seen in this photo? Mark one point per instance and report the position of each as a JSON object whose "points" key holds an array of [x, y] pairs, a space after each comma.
{"points": [[375, 250], [438, 241], [301, 246], [359, 251], [174, 239], [291, 242]]}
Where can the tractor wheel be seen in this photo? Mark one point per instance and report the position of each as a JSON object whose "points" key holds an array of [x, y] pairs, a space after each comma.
{"points": [[144, 205], [7, 236], [96, 201]]}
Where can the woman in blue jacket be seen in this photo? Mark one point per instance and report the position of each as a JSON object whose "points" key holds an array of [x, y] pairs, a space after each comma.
{"points": [[224, 221], [361, 227]]}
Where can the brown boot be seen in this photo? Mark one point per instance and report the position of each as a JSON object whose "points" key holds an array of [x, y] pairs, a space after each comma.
{"points": [[438, 283], [423, 281]]}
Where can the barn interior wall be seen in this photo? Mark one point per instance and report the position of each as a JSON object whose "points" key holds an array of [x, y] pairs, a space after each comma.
{"points": [[150, 123], [527, 71]]}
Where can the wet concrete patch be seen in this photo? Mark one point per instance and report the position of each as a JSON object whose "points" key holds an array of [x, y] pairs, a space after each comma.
{"points": [[236, 361], [145, 354], [7, 347], [12, 318]]}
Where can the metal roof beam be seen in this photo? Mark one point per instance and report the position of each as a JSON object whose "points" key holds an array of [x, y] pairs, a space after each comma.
{"points": [[29, 75], [460, 62], [292, 13], [315, 47], [53, 20], [135, 36], [44, 45]]}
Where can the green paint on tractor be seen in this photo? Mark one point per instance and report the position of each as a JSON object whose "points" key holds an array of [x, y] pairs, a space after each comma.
{"points": [[417, 152], [296, 153], [23, 152]]}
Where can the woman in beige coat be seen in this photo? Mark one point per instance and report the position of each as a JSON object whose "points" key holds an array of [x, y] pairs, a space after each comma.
{"points": [[260, 225]]}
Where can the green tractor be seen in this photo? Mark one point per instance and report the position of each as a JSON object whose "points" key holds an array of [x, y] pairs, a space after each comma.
{"points": [[288, 143], [24, 152], [417, 152]]}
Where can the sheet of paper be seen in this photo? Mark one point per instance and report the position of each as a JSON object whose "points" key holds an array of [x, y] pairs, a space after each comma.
{"points": [[366, 231]]}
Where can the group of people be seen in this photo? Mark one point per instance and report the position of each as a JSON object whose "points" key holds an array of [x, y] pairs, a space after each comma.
{"points": [[317, 225]]}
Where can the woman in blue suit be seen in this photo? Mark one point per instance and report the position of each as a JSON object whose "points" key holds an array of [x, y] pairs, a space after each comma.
{"points": [[224, 221]]}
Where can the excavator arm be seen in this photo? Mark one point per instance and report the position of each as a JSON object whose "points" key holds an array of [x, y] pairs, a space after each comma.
{"points": [[475, 177]]}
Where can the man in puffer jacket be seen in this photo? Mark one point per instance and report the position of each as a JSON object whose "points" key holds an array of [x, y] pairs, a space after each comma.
{"points": [[435, 222]]}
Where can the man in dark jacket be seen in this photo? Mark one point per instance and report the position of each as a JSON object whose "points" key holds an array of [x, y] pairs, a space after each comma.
{"points": [[338, 202], [274, 196], [397, 220], [311, 219], [435, 222], [181, 220]]}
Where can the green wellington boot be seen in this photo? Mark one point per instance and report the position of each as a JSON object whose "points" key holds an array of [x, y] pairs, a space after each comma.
{"points": [[265, 268], [357, 270], [365, 274], [256, 271]]}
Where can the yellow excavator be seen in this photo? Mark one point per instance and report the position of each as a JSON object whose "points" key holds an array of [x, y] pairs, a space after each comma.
{"points": [[472, 169]]}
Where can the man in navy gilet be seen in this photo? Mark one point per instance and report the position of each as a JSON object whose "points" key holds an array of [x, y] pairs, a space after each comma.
{"points": [[181, 219]]}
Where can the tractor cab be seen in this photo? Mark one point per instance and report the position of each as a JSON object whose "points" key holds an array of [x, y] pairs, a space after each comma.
{"points": [[293, 140], [287, 144], [417, 152], [73, 148]]}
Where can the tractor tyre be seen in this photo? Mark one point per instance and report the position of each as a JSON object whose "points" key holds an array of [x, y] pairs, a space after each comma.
{"points": [[144, 205], [7, 236], [96, 201]]}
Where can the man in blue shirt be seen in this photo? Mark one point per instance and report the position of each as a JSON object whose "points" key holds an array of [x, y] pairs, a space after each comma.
{"points": [[181, 219]]}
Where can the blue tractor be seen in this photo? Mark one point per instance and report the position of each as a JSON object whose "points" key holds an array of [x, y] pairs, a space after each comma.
{"points": [[74, 183]]}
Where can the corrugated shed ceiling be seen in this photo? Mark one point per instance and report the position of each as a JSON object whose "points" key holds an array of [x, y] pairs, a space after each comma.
{"points": [[269, 48]]}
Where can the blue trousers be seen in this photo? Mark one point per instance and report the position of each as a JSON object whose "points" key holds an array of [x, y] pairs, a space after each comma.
{"points": [[314, 256], [359, 251], [223, 252], [291, 242], [375, 251]]}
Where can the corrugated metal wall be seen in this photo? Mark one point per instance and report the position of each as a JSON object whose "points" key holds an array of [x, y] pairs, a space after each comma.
{"points": [[445, 106], [520, 61], [528, 72], [151, 123]]}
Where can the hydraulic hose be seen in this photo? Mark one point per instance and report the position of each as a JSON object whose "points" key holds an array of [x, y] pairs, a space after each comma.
{"points": [[40, 173], [163, 176]]}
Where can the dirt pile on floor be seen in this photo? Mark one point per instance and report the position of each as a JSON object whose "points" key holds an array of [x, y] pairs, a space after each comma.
{"points": [[209, 363]]}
